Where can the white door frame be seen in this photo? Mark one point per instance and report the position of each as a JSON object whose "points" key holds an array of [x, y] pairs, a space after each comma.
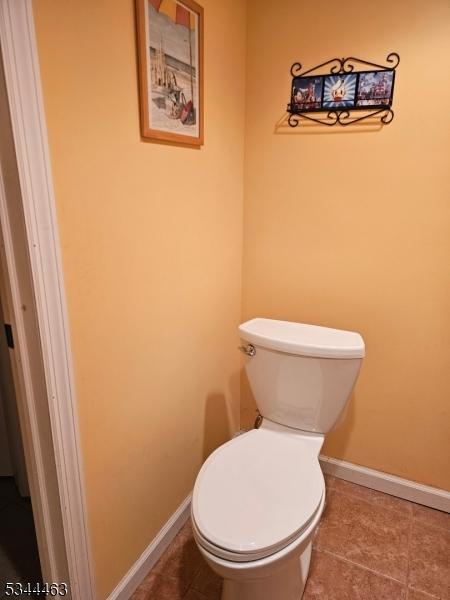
{"points": [[21, 65]]}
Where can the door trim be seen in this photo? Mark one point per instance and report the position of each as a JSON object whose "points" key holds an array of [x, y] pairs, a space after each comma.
{"points": [[21, 64]]}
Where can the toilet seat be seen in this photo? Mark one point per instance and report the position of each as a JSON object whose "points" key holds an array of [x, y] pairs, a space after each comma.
{"points": [[257, 493]]}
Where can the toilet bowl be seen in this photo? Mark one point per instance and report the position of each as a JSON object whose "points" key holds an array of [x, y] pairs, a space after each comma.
{"points": [[282, 575], [256, 504], [258, 499]]}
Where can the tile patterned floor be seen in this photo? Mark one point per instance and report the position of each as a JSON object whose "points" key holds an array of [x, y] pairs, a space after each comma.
{"points": [[19, 559], [369, 546]]}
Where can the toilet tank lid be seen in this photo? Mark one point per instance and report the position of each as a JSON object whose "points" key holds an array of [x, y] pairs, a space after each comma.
{"points": [[302, 339]]}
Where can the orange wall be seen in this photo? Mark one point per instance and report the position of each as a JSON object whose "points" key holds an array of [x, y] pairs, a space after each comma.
{"points": [[342, 228], [350, 228], [151, 240]]}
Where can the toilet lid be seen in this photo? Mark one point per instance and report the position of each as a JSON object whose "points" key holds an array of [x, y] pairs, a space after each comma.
{"points": [[303, 339], [256, 493]]}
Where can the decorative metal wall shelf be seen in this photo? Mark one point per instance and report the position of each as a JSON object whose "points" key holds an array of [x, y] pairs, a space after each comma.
{"points": [[340, 96]]}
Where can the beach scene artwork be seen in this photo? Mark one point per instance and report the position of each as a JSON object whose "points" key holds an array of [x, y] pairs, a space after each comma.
{"points": [[172, 67]]}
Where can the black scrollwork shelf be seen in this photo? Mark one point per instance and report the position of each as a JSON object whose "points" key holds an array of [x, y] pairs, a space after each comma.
{"points": [[339, 97]]}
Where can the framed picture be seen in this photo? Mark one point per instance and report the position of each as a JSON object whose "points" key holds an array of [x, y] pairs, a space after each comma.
{"points": [[170, 54], [339, 91], [306, 93], [375, 88]]}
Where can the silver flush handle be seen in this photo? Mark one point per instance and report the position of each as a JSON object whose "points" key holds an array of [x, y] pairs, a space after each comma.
{"points": [[249, 350]]}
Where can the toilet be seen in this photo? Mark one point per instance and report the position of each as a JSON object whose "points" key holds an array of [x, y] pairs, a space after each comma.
{"points": [[258, 499]]}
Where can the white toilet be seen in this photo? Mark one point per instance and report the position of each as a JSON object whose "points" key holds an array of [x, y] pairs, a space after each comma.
{"points": [[258, 498]]}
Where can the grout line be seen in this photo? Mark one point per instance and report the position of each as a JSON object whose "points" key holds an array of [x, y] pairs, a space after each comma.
{"points": [[387, 483], [433, 525], [191, 585], [339, 557], [397, 510], [373, 504], [427, 594], [408, 569], [198, 594]]}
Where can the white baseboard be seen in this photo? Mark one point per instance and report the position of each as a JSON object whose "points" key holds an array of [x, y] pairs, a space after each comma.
{"points": [[135, 576], [389, 484]]}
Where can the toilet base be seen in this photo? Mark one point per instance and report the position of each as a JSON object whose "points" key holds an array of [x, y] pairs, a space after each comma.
{"points": [[287, 583]]}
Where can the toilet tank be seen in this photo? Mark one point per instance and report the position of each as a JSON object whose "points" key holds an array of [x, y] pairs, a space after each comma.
{"points": [[301, 375]]}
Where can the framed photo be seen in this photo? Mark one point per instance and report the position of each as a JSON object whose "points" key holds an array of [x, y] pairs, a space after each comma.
{"points": [[306, 93], [375, 88], [339, 91], [170, 54]]}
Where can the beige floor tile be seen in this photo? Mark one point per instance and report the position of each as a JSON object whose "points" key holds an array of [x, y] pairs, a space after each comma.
{"points": [[429, 516], [373, 496], [361, 553], [182, 559], [366, 534], [195, 595], [329, 481], [416, 595], [429, 569], [170, 588], [140, 594], [208, 583], [332, 578], [149, 582]]}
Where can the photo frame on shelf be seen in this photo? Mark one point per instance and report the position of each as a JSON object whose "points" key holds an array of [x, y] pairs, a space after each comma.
{"points": [[170, 58], [337, 96], [375, 88], [339, 91], [307, 93]]}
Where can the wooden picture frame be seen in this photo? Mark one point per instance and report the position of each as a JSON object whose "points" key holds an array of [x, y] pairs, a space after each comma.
{"points": [[170, 57]]}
